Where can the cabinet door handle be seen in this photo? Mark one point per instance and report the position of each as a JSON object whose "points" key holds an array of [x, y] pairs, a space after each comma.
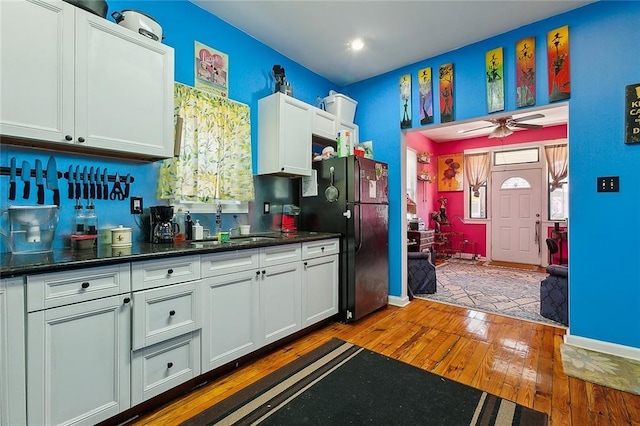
{"points": [[257, 272], [264, 272], [85, 284], [68, 138], [81, 139], [169, 364], [126, 300], [321, 248], [305, 264], [172, 313], [170, 271]]}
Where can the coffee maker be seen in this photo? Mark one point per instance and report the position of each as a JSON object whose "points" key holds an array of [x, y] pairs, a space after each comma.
{"points": [[161, 227]]}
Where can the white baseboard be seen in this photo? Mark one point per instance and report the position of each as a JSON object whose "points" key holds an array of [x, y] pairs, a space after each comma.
{"points": [[398, 301], [604, 347]]}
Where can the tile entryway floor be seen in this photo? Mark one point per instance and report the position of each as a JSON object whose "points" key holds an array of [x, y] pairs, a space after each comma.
{"points": [[508, 291]]}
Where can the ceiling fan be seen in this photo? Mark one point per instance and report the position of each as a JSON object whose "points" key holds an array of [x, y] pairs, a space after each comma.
{"points": [[503, 125]]}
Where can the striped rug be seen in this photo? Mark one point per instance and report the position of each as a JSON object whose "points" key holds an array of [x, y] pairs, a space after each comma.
{"points": [[340, 383]]}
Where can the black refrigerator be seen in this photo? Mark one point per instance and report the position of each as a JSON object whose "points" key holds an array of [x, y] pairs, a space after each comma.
{"points": [[352, 199]]}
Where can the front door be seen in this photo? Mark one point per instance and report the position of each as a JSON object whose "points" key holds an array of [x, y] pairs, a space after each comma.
{"points": [[515, 216]]}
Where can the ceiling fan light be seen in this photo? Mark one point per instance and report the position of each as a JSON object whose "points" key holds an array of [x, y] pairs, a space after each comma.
{"points": [[501, 132]]}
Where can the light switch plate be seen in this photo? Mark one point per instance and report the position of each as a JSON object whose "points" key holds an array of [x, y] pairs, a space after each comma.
{"points": [[608, 184]]}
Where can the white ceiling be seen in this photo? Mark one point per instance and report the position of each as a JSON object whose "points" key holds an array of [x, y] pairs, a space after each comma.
{"points": [[316, 34]]}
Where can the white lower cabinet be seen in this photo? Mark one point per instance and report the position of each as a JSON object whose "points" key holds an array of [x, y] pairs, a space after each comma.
{"points": [[231, 323], [13, 409], [280, 301], [78, 362], [79, 346], [320, 265]]}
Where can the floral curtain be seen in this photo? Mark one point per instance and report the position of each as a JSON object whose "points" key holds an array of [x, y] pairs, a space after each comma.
{"points": [[558, 162], [476, 170], [214, 162]]}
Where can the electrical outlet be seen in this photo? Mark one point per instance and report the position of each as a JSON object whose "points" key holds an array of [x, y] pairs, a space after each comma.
{"points": [[266, 207], [136, 205], [609, 184]]}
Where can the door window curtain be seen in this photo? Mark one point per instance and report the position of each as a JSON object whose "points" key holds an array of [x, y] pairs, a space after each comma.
{"points": [[476, 171], [214, 162], [558, 163]]}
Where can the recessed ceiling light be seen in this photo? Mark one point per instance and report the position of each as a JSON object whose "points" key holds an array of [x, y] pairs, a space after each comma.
{"points": [[356, 44]]}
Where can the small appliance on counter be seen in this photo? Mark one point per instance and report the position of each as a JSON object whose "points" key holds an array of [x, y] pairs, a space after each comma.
{"points": [[161, 226], [31, 228]]}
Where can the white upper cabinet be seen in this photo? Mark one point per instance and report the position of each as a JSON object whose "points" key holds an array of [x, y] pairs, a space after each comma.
{"points": [[325, 124], [284, 136], [73, 78]]}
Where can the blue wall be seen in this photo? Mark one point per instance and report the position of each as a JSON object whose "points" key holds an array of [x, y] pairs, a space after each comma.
{"points": [[604, 227]]}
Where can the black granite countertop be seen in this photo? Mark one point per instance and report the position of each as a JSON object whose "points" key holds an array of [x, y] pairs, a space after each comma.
{"points": [[67, 259]]}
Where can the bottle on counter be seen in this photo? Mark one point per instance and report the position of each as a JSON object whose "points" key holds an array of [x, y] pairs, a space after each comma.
{"points": [[189, 226], [78, 220], [181, 221], [91, 224], [198, 231], [91, 221]]}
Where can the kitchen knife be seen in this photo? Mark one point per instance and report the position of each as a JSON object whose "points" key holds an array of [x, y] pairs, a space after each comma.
{"points": [[25, 173], [12, 179], [92, 184], [71, 183], [127, 182], [52, 179], [39, 182], [85, 183], [76, 178], [105, 184], [98, 185]]}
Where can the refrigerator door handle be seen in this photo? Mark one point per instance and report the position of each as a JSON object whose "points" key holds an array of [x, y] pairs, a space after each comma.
{"points": [[358, 179], [347, 214], [358, 235]]}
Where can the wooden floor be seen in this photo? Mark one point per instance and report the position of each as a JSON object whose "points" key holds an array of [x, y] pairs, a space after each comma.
{"points": [[517, 360]]}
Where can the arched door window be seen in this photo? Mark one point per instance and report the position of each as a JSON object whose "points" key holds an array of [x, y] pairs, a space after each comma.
{"points": [[515, 182]]}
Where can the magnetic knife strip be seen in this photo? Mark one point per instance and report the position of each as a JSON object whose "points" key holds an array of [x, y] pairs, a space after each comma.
{"points": [[83, 182]]}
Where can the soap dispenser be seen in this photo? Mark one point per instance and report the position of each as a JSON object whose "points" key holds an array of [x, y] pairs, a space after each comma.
{"points": [[198, 231]]}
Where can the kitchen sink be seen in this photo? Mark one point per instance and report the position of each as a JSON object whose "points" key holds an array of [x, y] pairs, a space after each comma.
{"points": [[205, 243], [248, 240]]}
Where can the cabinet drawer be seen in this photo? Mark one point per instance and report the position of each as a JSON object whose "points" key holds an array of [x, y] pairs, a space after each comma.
{"points": [[156, 273], [321, 248], [162, 313], [62, 288], [229, 262], [277, 255], [160, 367]]}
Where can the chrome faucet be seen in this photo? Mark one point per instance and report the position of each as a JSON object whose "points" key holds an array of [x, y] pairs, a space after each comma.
{"points": [[218, 218]]}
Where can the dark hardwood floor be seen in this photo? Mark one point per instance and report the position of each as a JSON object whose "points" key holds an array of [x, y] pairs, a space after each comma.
{"points": [[517, 360]]}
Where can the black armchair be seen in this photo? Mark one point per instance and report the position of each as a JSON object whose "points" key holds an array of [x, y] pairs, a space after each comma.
{"points": [[421, 273], [554, 294]]}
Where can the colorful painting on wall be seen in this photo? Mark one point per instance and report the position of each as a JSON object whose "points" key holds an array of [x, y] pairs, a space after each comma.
{"points": [[558, 64], [446, 93], [526, 72], [494, 63], [450, 172], [405, 101], [632, 113], [211, 70], [426, 95]]}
